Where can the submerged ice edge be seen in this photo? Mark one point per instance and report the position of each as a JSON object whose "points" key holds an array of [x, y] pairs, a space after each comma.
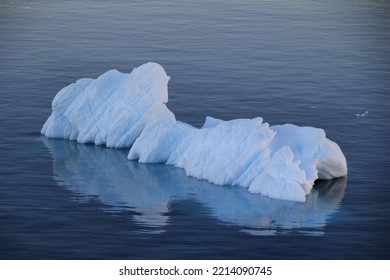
{"points": [[128, 111]]}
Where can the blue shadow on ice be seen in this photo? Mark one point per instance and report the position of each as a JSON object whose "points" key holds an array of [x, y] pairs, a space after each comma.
{"points": [[149, 189]]}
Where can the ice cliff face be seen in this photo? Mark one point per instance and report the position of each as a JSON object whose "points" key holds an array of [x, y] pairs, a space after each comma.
{"points": [[128, 110]]}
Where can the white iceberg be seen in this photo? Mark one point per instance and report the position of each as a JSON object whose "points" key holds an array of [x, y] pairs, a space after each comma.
{"points": [[128, 110]]}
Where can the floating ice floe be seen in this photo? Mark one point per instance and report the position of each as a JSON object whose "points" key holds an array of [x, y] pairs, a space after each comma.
{"points": [[128, 111]]}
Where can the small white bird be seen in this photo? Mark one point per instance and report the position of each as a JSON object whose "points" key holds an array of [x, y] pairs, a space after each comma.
{"points": [[362, 115]]}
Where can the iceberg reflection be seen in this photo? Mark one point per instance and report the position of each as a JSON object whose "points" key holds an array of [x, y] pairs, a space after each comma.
{"points": [[149, 189]]}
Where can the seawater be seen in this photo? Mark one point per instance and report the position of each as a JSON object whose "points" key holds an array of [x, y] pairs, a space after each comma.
{"points": [[311, 63]]}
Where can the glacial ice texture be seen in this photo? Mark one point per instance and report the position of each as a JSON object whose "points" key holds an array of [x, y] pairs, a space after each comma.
{"points": [[111, 110], [128, 111]]}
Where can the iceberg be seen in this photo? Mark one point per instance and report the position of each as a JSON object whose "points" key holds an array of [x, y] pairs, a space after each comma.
{"points": [[128, 111]]}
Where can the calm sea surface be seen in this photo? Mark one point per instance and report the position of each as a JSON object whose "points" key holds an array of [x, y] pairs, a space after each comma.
{"points": [[311, 63]]}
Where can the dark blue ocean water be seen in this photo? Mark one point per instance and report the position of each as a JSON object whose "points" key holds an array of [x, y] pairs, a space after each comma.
{"points": [[312, 63]]}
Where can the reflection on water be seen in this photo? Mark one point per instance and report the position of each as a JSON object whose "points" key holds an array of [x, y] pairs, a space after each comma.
{"points": [[146, 191]]}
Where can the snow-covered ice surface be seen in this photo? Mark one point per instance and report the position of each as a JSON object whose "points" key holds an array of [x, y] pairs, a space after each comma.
{"points": [[128, 110]]}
